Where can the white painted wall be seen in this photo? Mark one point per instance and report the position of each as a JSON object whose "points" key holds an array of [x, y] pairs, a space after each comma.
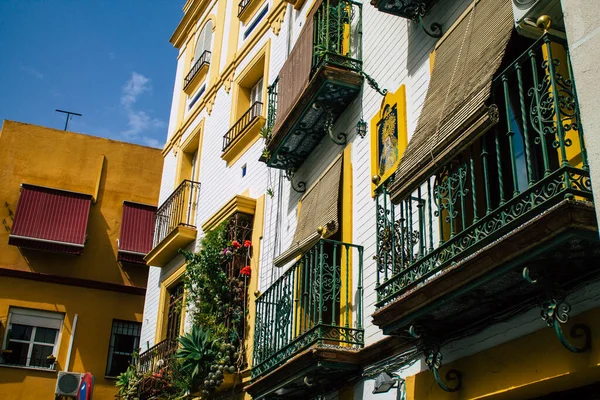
{"points": [[395, 52], [405, 49]]}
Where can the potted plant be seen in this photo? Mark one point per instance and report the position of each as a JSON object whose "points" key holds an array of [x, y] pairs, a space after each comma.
{"points": [[51, 359]]}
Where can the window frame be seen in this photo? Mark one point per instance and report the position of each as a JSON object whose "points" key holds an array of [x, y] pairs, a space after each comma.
{"points": [[111, 344], [205, 35], [32, 313]]}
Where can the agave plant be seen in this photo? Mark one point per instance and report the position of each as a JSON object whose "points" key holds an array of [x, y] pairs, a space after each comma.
{"points": [[124, 381], [198, 351]]}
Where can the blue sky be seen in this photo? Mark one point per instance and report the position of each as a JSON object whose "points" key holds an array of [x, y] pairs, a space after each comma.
{"points": [[109, 60]]}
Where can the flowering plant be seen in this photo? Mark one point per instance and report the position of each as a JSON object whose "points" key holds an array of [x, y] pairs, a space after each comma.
{"points": [[246, 271], [247, 243], [235, 244]]}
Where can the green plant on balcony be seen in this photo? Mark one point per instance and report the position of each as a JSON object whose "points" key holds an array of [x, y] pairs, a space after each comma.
{"points": [[127, 383], [200, 355], [216, 280]]}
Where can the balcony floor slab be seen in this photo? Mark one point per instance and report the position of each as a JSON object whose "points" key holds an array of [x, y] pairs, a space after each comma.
{"points": [[560, 246]]}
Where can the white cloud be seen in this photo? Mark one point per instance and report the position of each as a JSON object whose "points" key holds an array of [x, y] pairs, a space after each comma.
{"points": [[138, 121], [135, 86], [32, 71], [151, 142]]}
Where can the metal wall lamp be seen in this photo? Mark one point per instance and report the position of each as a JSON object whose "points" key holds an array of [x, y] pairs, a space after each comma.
{"points": [[384, 382]]}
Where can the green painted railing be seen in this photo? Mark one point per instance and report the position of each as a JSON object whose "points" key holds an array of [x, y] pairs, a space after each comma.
{"points": [[531, 160], [313, 302], [272, 103], [337, 35]]}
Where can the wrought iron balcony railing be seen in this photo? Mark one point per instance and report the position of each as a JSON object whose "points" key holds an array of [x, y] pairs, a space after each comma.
{"points": [[272, 105], [204, 59], [334, 43], [238, 128], [179, 209], [156, 357], [321, 77], [532, 159], [243, 5], [313, 302]]}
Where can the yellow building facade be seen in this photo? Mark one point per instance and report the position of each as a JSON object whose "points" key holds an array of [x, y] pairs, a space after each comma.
{"points": [[80, 302]]}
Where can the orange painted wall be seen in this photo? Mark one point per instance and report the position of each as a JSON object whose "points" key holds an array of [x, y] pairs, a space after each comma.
{"points": [[96, 310], [70, 161]]}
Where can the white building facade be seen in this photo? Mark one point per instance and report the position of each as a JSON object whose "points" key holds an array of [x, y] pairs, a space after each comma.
{"points": [[384, 161]]}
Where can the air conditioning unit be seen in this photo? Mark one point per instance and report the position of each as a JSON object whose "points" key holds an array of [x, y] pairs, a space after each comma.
{"points": [[67, 383], [527, 12]]}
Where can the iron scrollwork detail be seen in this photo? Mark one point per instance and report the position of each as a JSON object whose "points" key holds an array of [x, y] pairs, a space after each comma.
{"points": [[555, 313], [299, 187], [433, 359]]}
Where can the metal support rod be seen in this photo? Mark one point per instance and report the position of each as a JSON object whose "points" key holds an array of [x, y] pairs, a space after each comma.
{"points": [[69, 115]]}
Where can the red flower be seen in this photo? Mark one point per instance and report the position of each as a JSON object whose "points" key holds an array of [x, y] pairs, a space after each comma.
{"points": [[246, 271], [247, 243], [235, 244]]}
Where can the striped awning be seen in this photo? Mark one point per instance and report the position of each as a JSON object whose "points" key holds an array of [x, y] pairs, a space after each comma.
{"points": [[455, 111], [137, 232], [318, 207], [50, 220]]}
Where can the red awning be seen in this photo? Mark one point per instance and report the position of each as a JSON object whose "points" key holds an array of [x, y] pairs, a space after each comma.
{"points": [[50, 220], [137, 229]]}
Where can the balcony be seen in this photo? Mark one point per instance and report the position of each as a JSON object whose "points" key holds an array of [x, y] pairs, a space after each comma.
{"points": [[309, 323], [410, 9], [317, 83], [174, 224], [247, 8], [464, 246], [243, 133], [198, 70], [156, 358]]}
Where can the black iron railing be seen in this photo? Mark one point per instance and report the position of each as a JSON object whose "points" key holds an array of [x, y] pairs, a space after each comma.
{"points": [[531, 160], [337, 35], [313, 302], [272, 104], [238, 128], [156, 357], [243, 5], [178, 210], [203, 59]]}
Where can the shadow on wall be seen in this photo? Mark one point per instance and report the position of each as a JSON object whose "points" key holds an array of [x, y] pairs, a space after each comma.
{"points": [[92, 335], [99, 259]]}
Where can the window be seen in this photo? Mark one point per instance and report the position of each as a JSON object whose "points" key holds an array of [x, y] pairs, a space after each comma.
{"points": [[174, 311], [196, 97], [256, 97], [254, 23], [204, 41], [31, 337], [244, 170], [124, 340], [189, 157], [256, 92]]}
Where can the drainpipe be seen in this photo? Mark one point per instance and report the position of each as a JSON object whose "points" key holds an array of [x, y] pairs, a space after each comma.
{"points": [[71, 342]]}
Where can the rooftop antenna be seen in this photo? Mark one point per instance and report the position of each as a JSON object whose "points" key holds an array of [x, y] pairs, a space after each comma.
{"points": [[69, 114]]}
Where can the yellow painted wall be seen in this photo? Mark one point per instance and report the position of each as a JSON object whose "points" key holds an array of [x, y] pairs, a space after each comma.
{"points": [[96, 310], [533, 365], [66, 160]]}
